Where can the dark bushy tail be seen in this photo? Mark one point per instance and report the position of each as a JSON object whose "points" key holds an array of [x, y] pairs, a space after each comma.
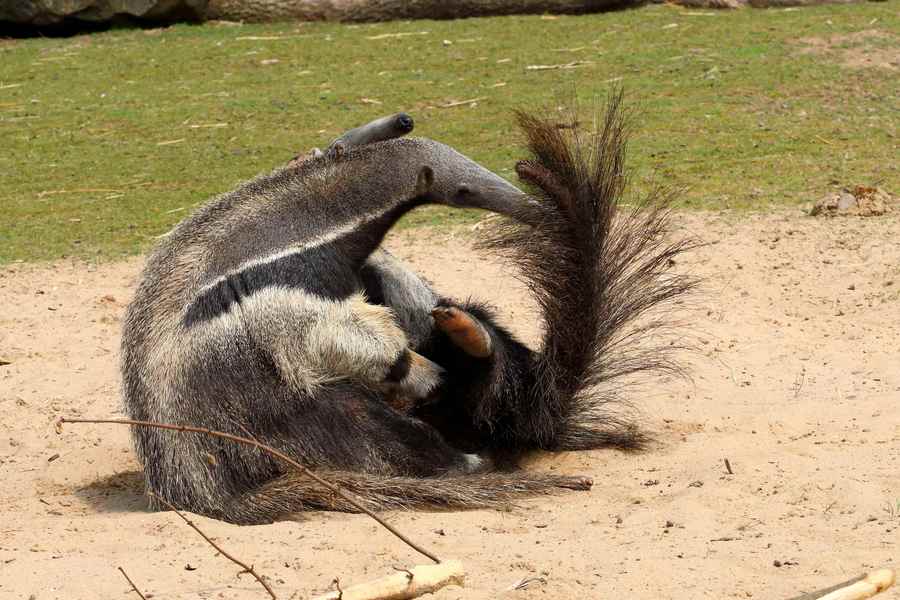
{"points": [[600, 272], [293, 493]]}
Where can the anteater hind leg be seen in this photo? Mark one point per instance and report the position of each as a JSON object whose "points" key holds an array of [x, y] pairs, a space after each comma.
{"points": [[465, 331], [487, 400]]}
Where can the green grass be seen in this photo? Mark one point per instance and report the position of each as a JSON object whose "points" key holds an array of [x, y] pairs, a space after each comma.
{"points": [[107, 140]]}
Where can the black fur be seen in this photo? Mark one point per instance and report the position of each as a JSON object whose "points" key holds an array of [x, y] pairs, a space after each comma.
{"points": [[600, 272], [330, 270]]}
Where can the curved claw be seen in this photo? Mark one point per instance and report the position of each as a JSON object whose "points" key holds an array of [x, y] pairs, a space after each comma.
{"points": [[464, 330]]}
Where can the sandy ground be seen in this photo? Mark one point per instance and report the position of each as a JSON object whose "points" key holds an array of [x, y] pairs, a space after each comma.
{"points": [[796, 383]]}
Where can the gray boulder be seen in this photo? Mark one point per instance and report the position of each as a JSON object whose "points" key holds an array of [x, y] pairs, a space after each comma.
{"points": [[54, 12]]}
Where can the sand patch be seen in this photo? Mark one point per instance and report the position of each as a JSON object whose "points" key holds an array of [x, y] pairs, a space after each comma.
{"points": [[870, 48]]}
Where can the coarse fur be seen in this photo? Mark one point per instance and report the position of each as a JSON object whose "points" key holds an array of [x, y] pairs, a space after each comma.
{"points": [[601, 273], [272, 312], [251, 318]]}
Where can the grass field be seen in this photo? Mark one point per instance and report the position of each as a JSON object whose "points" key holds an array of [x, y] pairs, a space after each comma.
{"points": [[109, 139]]}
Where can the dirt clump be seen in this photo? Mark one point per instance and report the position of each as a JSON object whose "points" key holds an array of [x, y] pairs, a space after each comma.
{"points": [[861, 201]]}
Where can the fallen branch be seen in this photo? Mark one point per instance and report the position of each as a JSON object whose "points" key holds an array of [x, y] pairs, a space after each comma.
{"points": [[241, 564], [462, 102], [409, 583], [131, 583], [858, 588], [272, 452]]}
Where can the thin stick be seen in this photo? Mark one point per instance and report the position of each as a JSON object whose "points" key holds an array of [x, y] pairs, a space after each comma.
{"points": [[858, 588], [241, 564], [273, 452], [134, 587], [462, 102], [728, 467], [404, 585]]}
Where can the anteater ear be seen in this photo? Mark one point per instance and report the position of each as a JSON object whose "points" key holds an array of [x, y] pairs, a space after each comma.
{"points": [[424, 181]]}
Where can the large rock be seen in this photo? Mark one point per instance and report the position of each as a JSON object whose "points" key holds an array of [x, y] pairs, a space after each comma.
{"points": [[54, 12], [389, 10]]}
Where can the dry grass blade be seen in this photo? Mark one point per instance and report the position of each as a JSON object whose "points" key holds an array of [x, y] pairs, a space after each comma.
{"points": [[570, 65], [385, 36]]}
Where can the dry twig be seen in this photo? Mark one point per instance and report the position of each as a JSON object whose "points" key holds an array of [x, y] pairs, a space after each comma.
{"points": [[462, 102], [272, 452], [403, 585], [245, 568], [131, 583], [858, 588]]}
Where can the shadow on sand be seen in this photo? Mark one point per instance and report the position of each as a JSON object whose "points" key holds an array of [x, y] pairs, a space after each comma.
{"points": [[121, 492]]}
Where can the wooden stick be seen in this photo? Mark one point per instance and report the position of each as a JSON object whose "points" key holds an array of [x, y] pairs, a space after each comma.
{"points": [[271, 451], [858, 588], [133, 587], [462, 102], [409, 583], [241, 564]]}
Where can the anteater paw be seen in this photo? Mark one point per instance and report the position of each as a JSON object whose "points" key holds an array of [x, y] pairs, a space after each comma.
{"points": [[464, 330], [413, 375]]}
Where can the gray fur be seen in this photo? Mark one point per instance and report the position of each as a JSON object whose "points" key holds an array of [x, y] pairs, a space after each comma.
{"points": [[249, 319], [379, 130]]}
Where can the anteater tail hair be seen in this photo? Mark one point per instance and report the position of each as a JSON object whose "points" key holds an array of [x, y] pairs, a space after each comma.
{"points": [[600, 272]]}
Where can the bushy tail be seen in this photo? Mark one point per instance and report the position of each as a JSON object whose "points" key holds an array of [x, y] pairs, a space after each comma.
{"points": [[599, 271], [293, 493]]}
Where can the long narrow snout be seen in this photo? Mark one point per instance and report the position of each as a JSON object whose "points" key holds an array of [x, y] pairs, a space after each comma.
{"points": [[460, 182], [499, 197]]}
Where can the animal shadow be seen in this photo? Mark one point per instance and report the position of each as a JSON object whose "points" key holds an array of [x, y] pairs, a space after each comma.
{"points": [[120, 492]]}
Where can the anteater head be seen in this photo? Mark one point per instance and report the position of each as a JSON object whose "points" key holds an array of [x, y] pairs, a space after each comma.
{"points": [[444, 176]]}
